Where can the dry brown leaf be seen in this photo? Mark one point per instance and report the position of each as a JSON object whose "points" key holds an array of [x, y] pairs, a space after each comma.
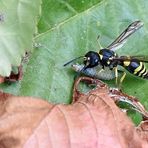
{"points": [[93, 120], [142, 130]]}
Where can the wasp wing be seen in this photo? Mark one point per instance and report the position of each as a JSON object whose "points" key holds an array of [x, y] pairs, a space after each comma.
{"points": [[122, 38], [129, 58]]}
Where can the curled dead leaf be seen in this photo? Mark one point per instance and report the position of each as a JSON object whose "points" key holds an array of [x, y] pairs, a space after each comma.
{"points": [[92, 120], [142, 130]]}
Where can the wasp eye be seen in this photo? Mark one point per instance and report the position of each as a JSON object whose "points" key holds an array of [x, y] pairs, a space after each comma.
{"points": [[96, 60], [91, 59], [88, 59]]}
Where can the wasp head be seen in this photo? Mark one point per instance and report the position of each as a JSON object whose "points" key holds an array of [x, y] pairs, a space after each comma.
{"points": [[91, 59]]}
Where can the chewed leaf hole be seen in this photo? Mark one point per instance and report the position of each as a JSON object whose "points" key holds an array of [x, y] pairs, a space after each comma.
{"points": [[85, 87]]}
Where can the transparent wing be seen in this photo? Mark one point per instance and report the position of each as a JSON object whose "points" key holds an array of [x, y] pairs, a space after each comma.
{"points": [[129, 58], [122, 38]]}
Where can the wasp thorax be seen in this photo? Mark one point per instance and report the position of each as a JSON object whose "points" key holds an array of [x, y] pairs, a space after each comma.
{"points": [[91, 59]]}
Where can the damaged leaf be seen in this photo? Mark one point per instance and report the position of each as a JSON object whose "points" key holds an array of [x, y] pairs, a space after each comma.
{"points": [[142, 130], [92, 120], [18, 19], [15, 76]]}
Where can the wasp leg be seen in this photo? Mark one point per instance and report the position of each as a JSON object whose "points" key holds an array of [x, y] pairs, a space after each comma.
{"points": [[116, 75], [122, 78]]}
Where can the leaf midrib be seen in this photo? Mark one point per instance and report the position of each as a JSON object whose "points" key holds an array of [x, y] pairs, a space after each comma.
{"points": [[70, 18]]}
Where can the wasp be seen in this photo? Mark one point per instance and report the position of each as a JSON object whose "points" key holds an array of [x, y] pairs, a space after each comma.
{"points": [[107, 57]]}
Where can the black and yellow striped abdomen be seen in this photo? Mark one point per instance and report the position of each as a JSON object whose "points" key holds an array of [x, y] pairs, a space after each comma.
{"points": [[136, 67]]}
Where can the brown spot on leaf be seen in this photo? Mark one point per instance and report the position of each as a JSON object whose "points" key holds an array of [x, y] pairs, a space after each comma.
{"points": [[15, 77]]}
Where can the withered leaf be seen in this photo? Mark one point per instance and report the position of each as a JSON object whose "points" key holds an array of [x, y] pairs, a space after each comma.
{"points": [[92, 120], [142, 130]]}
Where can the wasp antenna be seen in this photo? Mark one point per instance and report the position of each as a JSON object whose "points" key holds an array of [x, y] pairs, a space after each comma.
{"points": [[73, 60]]}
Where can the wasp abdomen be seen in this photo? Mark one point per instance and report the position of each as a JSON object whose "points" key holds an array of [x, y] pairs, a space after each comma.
{"points": [[136, 67]]}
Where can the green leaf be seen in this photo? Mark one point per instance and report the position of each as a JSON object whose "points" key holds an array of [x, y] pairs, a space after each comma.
{"points": [[58, 11], [17, 27]]}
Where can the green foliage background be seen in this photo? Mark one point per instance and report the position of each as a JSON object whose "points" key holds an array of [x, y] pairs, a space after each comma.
{"points": [[69, 28], [18, 19]]}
